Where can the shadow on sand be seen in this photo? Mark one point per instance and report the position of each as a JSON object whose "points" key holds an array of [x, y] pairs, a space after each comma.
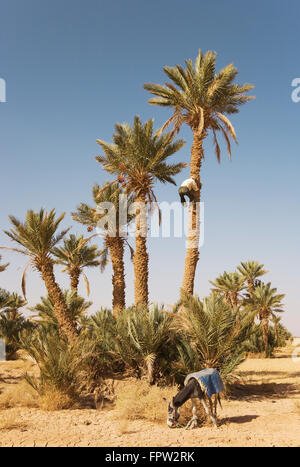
{"points": [[263, 391], [240, 419]]}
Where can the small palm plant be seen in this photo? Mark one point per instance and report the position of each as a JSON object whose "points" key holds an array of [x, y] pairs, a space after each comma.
{"points": [[140, 156], [114, 234], [75, 255], [143, 340], [230, 286], [265, 302], [59, 365], [251, 270], [202, 99], [11, 330], [209, 328], [38, 236], [68, 371]]}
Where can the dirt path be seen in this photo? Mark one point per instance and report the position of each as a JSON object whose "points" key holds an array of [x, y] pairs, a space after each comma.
{"points": [[268, 415]]}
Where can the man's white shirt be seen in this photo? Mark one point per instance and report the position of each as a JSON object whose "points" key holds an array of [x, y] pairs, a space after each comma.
{"points": [[190, 184]]}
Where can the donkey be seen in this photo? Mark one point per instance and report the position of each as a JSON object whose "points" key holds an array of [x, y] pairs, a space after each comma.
{"points": [[192, 390]]}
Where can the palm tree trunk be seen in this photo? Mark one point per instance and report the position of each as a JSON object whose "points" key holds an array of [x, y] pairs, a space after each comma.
{"points": [[250, 287], [116, 252], [64, 319], [141, 257], [192, 253], [74, 276], [13, 314], [265, 331], [276, 333]]}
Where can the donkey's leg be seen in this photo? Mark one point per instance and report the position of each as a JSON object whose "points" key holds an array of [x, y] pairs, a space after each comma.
{"points": [[215, 405], [193, 423], [209, 410], [212, 411]]}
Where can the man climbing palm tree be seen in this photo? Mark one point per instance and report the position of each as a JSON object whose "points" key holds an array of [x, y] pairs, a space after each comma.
{"points": [[188, 188]]}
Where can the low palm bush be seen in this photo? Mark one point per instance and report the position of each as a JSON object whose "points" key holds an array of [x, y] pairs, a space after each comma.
{"points": [[11, 330], [211, 335], [67, 370], [100, 329], [145, 341]]}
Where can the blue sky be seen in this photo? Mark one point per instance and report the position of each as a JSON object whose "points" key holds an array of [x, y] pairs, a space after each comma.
{"points": [[73, 69]]}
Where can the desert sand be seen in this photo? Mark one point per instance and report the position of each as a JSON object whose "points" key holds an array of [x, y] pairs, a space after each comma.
{"points": [[266, 412]]}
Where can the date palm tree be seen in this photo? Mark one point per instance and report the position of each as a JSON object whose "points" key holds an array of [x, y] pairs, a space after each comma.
{"points": [[114, 238], [140, 156], [251, 270], [202, 99], [38, 236], [76, 255], [230, 286], [266, 303]]}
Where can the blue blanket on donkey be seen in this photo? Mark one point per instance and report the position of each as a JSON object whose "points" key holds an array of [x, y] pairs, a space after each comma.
{"points": [[210, 381]]}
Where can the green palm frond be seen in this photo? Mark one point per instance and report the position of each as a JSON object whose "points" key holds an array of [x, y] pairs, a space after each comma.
{"points": [[265, 301], [230, 286], [251, 270], [201, 98], [37, 235], [76, 253], [140, 155]]}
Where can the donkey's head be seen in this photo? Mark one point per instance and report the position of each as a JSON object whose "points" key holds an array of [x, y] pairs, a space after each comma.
{"points": [[173, 413]]}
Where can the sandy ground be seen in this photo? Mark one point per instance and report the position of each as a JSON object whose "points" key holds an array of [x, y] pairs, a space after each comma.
{"points": [[266, 413]]}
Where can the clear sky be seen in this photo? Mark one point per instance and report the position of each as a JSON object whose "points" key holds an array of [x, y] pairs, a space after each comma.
{"points": [[73, 69]]}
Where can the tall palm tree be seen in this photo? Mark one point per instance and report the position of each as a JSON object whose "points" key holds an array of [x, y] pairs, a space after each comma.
{"points": [[3, 266], [76, 255], [230, 286], [141, 157], [37, 235], [202, 99], [266, 302], [251, 270], [114, 239]]}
